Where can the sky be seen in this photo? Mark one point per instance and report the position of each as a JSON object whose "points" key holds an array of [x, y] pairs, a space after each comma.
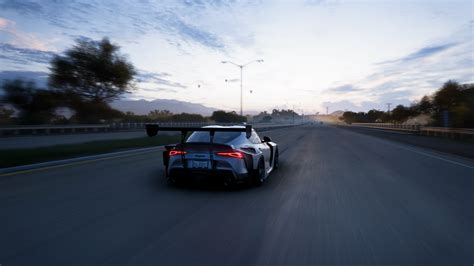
{"points": [[344, 55]]}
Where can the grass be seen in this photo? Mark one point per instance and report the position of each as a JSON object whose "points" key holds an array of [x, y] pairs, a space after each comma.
{"points": [[16, 157]]}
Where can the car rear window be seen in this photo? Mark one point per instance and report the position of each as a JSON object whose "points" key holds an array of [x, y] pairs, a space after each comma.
{"points": [[219, 137]]}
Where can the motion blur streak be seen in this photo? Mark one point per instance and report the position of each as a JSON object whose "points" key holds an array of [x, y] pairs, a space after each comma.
{"points": [[339, 197]]}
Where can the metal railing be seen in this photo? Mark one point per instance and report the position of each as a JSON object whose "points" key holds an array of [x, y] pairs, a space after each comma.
{"points": [[461, 133], [390, 126], [458, 133]]}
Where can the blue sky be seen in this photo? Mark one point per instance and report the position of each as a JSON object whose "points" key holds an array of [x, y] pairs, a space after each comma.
{"points": [[353, 55]]}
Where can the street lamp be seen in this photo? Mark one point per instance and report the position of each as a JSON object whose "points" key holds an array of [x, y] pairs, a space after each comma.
{"points": [[241, 70]]}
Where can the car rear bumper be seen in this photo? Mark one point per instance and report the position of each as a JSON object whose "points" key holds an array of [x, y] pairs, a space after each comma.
{"points": [[217, 175]]}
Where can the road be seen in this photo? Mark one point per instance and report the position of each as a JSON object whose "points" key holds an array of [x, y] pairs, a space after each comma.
{"points": [[340, 197]]}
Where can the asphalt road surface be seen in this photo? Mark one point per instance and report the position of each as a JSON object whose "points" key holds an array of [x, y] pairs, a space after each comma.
{"points": [[463, 148], [340, 197]]}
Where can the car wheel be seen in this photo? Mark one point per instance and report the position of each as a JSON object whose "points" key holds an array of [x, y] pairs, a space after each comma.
{"points": [[276, 162], [259, 175]]}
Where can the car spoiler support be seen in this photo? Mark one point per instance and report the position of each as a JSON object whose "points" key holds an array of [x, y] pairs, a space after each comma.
{"points": [[153, 129]]}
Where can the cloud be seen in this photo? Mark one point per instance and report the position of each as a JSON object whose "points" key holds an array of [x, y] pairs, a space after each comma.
{"points": [[171, 18], [6, 24], [81, 38], [344, 88], [19, 38], [322, 2], [157, 78], [207, 3], [194, 33], [160, 90], [422, 53], [24, 55], [408, 78], [22, 6], [301, 39]]}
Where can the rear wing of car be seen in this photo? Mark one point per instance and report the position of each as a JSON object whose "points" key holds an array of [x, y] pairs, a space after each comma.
{"points": [[153, 129]]}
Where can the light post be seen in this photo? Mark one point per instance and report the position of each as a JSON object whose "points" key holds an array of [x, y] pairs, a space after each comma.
{"points": [[241, 74]]}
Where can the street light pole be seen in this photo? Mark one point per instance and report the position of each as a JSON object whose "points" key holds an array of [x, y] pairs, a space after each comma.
{"points": [[241, 79], [241, 91]]}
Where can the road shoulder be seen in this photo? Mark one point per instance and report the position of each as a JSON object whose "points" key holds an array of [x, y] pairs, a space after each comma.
{"points": [[459, 148]]}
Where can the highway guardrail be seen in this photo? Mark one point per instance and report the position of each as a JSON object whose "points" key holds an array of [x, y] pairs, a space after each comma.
{"points": [[457, 133], [390, 126], [113, 127]]}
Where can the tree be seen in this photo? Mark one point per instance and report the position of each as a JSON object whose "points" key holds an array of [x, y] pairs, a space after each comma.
{"points": [[6, 115], [35, 106], [160, 115], [93, 112], [402, 113], [468, 101], [262, 117], [352, 117], [375, 115], [94, 70], [185, 117], [348, 117], [424, 106], [447, 96], [227, 117], [457, 102], [266, 118], [453, 102]]}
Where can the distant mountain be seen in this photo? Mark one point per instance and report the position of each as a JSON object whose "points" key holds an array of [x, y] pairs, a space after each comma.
{"points": [[143, 107]]}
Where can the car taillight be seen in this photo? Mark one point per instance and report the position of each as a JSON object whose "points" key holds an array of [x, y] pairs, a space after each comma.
{"points": [[176, 152], [233, 154]]}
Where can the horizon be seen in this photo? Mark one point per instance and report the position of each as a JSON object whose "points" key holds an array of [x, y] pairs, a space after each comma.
{"points": [[353, 55]]}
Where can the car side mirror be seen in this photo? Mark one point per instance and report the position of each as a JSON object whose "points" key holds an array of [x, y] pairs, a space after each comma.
{"points": [[267, 139]]}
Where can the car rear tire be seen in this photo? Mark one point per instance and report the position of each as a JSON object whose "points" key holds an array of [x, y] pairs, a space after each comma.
{"points": [[276, 162], [259, 174]]}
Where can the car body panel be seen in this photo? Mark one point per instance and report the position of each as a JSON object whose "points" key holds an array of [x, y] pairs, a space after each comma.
{"points": [[201, 158]]}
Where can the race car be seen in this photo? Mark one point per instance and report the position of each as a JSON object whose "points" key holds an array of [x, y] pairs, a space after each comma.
{"points": [[229, 154]]}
